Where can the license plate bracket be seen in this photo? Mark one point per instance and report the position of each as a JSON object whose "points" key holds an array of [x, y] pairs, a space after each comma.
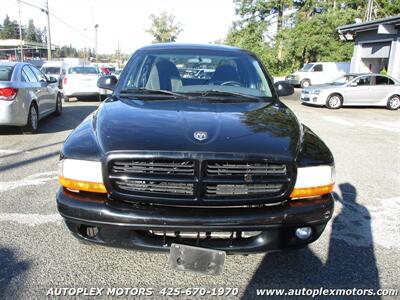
{"points": [[196, 259]]}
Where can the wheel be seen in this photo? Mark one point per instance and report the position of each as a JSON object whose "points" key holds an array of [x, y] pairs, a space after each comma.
{"points": [[33, 120], [305, 83], [393, 103], [66, 98], [58, 106], [334, 101]]}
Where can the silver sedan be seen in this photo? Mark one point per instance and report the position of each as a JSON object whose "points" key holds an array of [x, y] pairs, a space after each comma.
{"points": [[26, 96], [355, 90]]}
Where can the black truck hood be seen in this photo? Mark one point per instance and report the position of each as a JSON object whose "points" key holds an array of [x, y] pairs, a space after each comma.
{"points": [[169, 125]]}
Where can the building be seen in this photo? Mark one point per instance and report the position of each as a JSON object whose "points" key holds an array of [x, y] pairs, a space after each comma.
{"points": [[376, 45], [10, 50]]}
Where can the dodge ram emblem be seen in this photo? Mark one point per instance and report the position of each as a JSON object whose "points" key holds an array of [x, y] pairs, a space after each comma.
{"points": [[200, 135], [248, 178]]}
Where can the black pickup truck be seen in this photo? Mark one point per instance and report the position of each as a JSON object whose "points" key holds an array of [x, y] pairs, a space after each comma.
{"points": [[209, 161]]}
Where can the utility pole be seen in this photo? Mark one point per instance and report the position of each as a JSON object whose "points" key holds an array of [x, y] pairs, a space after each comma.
{"points": [[48, 31], [118, 55], [95, 40], [20, 31], [370, 10]]}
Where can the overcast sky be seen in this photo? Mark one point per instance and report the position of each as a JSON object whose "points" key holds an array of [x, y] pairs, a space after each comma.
{"points": [[125, 21]]}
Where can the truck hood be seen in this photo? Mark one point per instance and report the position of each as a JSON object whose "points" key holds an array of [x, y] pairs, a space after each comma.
{"points": [[169, 125]]}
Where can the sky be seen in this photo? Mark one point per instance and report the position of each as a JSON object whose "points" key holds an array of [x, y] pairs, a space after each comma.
{"points": [[124, 21]]}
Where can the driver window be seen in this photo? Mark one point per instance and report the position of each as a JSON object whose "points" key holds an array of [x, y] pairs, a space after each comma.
{"points": [[41, 77], [29, 74], [366, 80], [318, 68]]}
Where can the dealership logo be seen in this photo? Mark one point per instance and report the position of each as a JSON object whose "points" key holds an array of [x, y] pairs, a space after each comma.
{"points": [[200, 135]]}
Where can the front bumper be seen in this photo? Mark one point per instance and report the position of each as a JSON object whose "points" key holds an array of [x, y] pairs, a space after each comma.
{"points": [[129, 226], [314, 99]]}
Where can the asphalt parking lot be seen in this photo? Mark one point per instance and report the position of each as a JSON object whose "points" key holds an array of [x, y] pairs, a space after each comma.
{"points": [[360, 248]]}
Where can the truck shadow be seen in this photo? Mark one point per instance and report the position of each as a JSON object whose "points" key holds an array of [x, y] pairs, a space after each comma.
{"points": [[348, 265], [10, 269], [71, 117]]}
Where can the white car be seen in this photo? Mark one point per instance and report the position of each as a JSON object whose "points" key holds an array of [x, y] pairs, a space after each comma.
{"points": [[81, 81], [355, 90], [318, 73]]}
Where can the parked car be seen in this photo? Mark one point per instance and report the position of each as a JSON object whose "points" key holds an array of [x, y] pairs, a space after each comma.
{"points": [[318, 73], [26, 96], [56, 69], [199, 167], [117, 73], [355, 90], [80, 81]]}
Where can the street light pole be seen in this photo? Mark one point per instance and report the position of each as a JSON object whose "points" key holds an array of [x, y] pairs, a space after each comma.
{"points": [[95, 40], [20, 31], [48, 31]]}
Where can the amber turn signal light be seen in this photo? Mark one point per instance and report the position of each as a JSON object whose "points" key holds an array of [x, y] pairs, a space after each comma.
{"points": [[82, 185], [312, 191]]}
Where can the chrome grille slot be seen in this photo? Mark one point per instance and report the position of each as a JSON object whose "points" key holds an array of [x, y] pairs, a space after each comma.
{"points": [[242, 189], [245, 168], [150, 186], [160, 167]]}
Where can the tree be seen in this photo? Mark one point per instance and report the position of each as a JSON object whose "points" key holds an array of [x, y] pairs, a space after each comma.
{"points": [[10, 29], [313, 36], [164, 28], [31, 32]]}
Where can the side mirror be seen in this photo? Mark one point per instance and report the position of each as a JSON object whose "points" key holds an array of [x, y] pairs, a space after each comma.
{"points": [[283, 88], [353, 83], [52, 80], [107, 82]]}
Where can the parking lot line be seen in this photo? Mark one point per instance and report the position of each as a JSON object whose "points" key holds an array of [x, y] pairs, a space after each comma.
{"points": [[338, 120], [12, 151], [30, 219], [35, 179]]}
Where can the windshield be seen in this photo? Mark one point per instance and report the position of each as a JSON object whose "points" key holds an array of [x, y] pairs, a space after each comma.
{"points": [[343, 79], [306, 67], [51, 70], [192, 71], [5, 73], [83, 70]]}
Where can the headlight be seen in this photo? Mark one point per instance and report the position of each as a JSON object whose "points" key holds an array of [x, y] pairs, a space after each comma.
{"points": [[81, 175], [314, 181], [316, 92]]}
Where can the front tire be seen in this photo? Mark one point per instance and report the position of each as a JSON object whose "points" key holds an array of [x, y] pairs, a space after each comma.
{"points": [[58, 111], [33, 120], [305, 83], [393, 103], [334, 101]]}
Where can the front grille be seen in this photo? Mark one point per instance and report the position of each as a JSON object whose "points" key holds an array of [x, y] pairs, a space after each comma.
{"points": [[242, 189], [245, 168], [197, 182], [153, 177], [154, 167], [147, 186]]}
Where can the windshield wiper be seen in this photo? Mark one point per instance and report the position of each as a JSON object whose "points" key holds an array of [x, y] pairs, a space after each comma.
{"points": [[144, 91], [224, 93]]}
